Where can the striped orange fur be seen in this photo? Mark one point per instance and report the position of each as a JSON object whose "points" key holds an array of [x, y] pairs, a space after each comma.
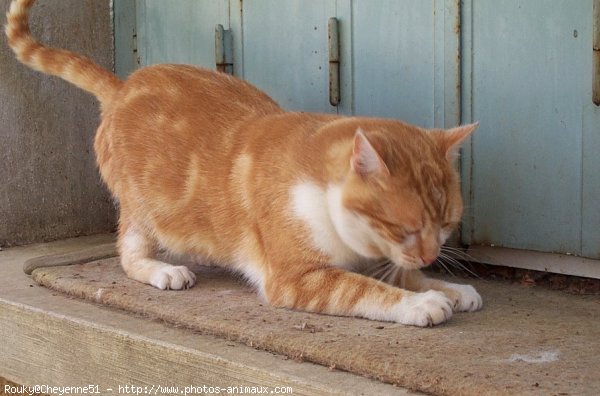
{"points": [[205, 164]]}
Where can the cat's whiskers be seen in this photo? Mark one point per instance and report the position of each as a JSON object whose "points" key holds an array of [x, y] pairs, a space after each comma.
{"points": [[378, 265], [387, 276], [394, 276], [458, 253], [455, 263], [441, 262], [387, 273], [374, 273]]}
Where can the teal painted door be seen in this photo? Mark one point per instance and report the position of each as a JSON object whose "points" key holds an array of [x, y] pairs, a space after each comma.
{"points": [[532, 172], [180, 31], [405, 60], [522, 68], [285, 51], [399, 58]]}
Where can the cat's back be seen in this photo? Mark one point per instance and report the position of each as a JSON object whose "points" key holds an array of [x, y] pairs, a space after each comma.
{"points": [[191, 89], [164, 115]]}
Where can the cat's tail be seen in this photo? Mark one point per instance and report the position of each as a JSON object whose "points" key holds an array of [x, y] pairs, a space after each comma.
{"points": [[76, 69]]}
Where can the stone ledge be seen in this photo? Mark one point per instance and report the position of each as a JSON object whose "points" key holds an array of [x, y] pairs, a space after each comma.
{"points": [[54, 340]]}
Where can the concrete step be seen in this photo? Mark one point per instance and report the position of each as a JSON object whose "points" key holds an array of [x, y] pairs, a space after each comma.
{"points": [[55, 341]]}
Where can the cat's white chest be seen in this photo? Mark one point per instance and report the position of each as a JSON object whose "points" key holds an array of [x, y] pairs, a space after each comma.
{"points": [[316, 207]]}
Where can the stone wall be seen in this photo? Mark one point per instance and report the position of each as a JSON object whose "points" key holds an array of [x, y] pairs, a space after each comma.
{"points": [[49, 185]]}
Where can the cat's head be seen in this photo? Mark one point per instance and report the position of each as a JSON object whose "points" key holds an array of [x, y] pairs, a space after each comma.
{"points": [[401, 198]]}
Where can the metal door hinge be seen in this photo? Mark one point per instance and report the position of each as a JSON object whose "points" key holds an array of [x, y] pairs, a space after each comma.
{"points": [[223, 49], [334, 61]]}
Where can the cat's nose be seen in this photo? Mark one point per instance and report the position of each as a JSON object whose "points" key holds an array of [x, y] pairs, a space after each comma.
{"points": [[428, 259]]}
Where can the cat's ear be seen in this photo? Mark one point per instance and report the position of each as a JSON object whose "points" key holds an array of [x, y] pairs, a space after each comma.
{"points": [[365, 160], [451, 139]]}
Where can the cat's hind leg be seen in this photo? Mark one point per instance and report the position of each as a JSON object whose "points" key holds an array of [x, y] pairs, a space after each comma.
{"points": [[137, 251]]}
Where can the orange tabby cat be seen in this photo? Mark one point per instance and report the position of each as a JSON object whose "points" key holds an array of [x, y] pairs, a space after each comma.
{"points": [[202, 163]]}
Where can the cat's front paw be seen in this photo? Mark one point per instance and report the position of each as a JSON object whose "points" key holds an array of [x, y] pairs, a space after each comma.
{"points": [[173, 278], [424, 309], [465, 297]]}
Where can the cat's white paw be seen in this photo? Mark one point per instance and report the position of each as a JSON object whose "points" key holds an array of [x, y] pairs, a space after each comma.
{"points": [[424, 309], [468, 299], [173, 278]]}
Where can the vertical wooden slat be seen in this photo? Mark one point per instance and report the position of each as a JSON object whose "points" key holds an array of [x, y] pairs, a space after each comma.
{"points": [[125, 36], [446, 63], [596, 54], [466, 109]]}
